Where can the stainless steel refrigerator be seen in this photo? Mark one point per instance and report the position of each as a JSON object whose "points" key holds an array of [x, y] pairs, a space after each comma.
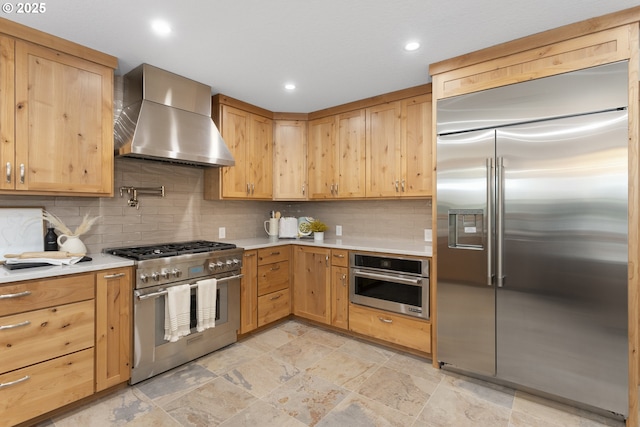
{"points": [[532, 234]]}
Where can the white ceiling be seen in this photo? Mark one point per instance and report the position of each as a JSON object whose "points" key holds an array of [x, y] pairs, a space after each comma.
{"points": [[335, 51]]}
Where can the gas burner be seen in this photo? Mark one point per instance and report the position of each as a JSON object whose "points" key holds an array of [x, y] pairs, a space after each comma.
{"points": [[163, 250]]}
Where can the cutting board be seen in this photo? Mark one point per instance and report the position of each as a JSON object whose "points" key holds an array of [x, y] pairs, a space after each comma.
{"points": [[21, 230]]}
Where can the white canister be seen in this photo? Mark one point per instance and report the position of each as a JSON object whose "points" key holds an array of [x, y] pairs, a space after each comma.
{"points": [[271, 226]]}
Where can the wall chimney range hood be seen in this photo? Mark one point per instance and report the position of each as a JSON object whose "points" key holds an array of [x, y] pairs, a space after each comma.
{"points": [[168, 117]]}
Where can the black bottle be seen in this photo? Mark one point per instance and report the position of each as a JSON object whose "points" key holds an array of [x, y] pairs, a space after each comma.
{"points": [[50, 240]]}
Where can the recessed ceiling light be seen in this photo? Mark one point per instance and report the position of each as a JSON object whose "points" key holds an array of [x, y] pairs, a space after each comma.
{"points": [[289, 86], [411, 46], [161, 27]]}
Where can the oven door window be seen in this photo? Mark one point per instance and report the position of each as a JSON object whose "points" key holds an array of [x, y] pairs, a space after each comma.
{"points": [[389, 291]]}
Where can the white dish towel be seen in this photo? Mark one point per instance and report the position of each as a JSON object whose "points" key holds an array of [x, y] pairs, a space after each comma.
{"points": [[206, 304], [177, 312]]}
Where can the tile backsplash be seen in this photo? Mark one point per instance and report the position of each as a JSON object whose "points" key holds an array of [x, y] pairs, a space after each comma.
{"points": [[183, 214]]}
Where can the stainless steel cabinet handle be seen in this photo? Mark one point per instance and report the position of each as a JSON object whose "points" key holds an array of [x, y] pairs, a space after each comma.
{"points": [[21, 173], [16, 325], [248, 189], [500, 223], [253, 189], [275, 298], [337, 189], [326, 260], [18, 295], [396, 185], [3, 385], [338, 255], [367, 275], [114, 276], [382, 319], [332, 192], [402, 185], [275, 253], [488, 221], [249, 255], [303, 190], [276, 268], [344, 280], [8, 172]]}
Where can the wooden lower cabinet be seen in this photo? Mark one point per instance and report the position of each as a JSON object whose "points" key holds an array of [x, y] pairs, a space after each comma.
{"points": [[340, 288], [249, 292], [394, 328], [113, 327], [274, 298], [273, 306], [312, 283], [43, 387]]}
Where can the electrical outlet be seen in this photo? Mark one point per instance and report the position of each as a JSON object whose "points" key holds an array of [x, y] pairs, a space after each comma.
{"points": [[427, 235], [222, 232], [338, 230]]}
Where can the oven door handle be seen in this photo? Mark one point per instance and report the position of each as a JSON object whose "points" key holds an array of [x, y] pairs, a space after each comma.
{"points": [[359, 273], [164, 292]]}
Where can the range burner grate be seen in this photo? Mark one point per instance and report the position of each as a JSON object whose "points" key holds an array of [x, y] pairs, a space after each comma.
{"points": [[163, 250]]}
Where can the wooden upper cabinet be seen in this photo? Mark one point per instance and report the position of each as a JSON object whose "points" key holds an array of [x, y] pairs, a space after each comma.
{"points": [[63, 122], [249, 137], [290, 160], [56, 122], [416, 146], [337, 156], [384, 171]]}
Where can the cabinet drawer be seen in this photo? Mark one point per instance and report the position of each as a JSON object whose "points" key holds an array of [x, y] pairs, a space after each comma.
{"points": [[390, 327], [273, 277], [35, 294], [269, 255], [273, 306], [49, 333], [46, 386], [340, 257]]}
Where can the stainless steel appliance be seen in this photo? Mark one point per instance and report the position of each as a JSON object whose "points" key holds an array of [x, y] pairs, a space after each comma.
{"points": [[532, 235], [397, 284], [168, 117], [159, 267]]}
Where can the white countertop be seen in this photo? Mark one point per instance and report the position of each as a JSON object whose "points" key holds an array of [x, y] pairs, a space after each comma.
{"points": [[400, 247], [99, 262]]}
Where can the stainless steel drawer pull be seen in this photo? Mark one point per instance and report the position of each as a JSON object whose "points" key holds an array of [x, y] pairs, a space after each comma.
{"points": [[338, 255], [114, 276], [23, 379], [17, 325], [276, 268], [382, 319], [18, 295], [275, 253], [275, 298]]}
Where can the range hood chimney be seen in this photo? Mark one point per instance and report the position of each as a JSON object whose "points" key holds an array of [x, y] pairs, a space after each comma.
{"points": [[167, 117]]}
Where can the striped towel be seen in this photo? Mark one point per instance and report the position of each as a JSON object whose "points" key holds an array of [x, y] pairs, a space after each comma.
{"points": [[177, 312], [206, 304]]}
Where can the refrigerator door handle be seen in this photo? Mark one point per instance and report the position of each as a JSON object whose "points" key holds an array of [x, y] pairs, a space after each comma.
{"points": [[500, 222], [488, 224]]}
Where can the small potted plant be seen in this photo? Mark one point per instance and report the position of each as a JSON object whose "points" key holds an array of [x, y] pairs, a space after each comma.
{"points": [[318, 227]]}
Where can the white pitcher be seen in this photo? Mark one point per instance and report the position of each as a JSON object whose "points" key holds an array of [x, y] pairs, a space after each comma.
{"points": [[72, 244], [272, 228]]}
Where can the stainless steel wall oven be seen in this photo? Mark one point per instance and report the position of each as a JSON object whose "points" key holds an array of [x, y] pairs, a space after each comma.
{"points": [[394, 283]]}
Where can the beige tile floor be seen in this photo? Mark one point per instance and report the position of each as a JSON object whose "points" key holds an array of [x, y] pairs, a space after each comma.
{"points": [[299, 375]]}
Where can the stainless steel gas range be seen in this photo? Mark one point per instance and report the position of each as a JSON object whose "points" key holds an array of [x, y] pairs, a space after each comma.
{"points": [[160, 266]]}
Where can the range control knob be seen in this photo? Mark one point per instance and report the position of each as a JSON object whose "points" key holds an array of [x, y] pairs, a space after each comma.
{"points": [[155, 276], [165, 274], [144, 278], [212, 266], [236, 261], [229, 263], [176, 272], [219, 265]]}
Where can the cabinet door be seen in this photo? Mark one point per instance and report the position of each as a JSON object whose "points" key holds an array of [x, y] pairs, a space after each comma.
{"points": [[64, 122], [290, 160], [350, 157], [340, 297], [7, 115], [312, 284], [322, 165], [416, 146], [249, 292], [259, 164], [113, 327], [235, 128], [383, 150]]}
